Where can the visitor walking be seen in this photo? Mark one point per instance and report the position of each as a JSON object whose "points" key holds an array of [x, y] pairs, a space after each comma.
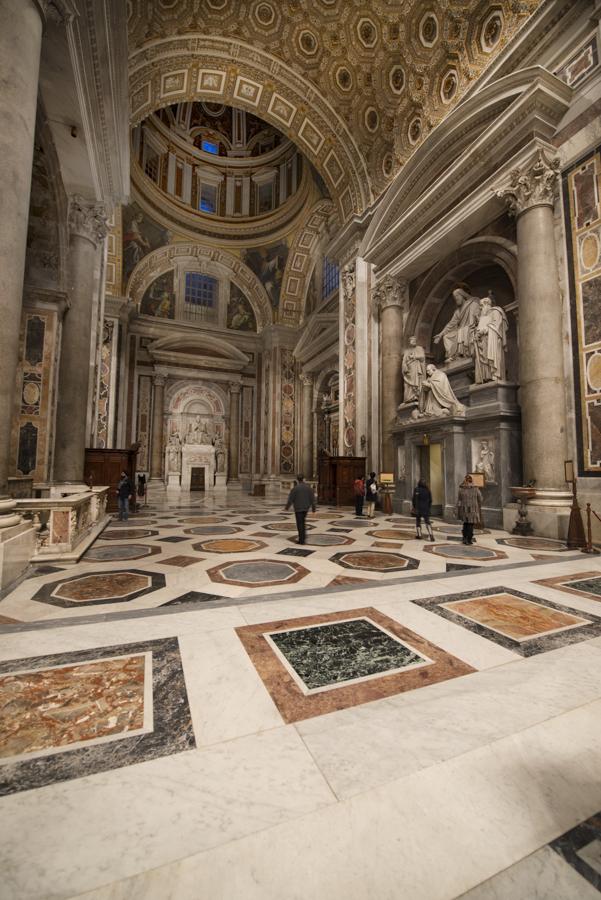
{"points": [[359, 489], [422, 504], [469, 508], [124, 495], [371, 494], [302, 498]]}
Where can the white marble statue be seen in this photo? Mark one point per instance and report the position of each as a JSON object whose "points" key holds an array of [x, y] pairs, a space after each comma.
{"points": [[490, 342], [486, 461], [437, 397], [458, 334], [414, 370], [174, 453]]}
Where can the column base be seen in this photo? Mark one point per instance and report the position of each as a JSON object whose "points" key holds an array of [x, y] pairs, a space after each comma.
{"points": [[548, 519]]}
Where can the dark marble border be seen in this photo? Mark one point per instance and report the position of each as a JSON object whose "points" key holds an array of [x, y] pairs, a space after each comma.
{"points": [[44, 594], [563, 582], [568, 845], [172, 732], [294, 705], [537, 644]]}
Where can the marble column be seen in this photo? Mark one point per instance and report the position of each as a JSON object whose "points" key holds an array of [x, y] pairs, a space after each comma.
{"points": [[20, 44], [156, 457], [390, 298], [233, 470], [530, 197], [87, 226], [307, 427]]}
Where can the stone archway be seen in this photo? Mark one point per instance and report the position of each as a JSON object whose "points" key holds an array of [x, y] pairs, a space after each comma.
{"points": [[209, 260], [299, 266], [215, 69]]}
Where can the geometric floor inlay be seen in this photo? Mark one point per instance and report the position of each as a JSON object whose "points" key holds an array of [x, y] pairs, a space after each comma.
{"points": [[59, 712], [582, 584], [317, 664], [581, 849], [392, 534], [459, 551], [533, 543], [99, 587], [520, 622], [374, 561], [257, 573], [212, 529], [118, 553], [126, 534], [229, 545], [326, 540]]}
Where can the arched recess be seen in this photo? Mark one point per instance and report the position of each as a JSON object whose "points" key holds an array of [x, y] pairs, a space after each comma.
{"points": [[457, 267], [209, 260], [180, 395], [221, 70], [300, 263]]}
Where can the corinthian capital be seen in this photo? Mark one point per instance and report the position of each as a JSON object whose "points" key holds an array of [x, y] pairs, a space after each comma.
{"points": [[532, 185], [87, 220], [56, 10], [348, 277], [391, 292]]}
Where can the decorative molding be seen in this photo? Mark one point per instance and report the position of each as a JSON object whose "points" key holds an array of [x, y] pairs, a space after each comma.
{"points": [[348, 278], [534, 184], [87, 219], [391, 292], [300, 263], [159, 380]]}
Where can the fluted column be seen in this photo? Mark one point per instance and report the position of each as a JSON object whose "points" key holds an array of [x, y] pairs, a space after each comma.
{"points": [[530, 197], [156, 458], [87, 225], [307, 426], [234, 432], [20, 44], [390, 298]]}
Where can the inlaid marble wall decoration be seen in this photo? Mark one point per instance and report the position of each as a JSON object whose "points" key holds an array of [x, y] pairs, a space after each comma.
{"points": [[583, 209], [108, 363], [144, 425], [30, 438], [246, 432], [581, 63], [349, 306], [287, 411], [266, 400]]}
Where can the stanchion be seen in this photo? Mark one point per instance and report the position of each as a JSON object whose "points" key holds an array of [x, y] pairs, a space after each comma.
{"points": [[588, 548]]}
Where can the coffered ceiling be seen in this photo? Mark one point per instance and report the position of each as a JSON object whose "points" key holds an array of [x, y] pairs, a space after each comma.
{"points": [[357, 84]]}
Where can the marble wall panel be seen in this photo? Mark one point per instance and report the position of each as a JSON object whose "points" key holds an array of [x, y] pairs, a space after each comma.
{"points": [[246, 430], [287, 411], [144, 423], [582, 192]]}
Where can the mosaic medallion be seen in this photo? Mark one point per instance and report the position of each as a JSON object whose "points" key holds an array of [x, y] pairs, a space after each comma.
{"points": [[464, 551], [229, 545], [115, 554], [392, 534], [212, 529], [127, 534], [374, 561], [99, 587], [533, 543], [203, 520], [76, 714], [318, 664], [582, 584], [525, 624], [326, 540], [258, 573]]}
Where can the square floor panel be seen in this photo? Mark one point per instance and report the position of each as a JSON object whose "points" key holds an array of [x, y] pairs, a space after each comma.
{"points": [[582, 584], [71, 715], [520, 622], [317, 664]]}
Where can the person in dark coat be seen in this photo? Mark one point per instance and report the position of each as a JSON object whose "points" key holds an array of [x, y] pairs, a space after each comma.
{"points": [[124, 494], [302, 498], [422, 504], [469, 508], [359, 489], [371, 494]]}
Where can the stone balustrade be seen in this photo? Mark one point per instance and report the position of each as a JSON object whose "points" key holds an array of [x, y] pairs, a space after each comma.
{"points": [[65, 525]]}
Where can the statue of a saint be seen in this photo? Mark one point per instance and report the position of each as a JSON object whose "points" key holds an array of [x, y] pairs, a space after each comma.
{"points": [[414, 370], [458, 333], [490, 342], [486, 461], [174, 450], [437, 397]]}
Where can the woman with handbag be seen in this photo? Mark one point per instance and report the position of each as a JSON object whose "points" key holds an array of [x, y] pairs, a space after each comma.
{"points": [[422, 504]]}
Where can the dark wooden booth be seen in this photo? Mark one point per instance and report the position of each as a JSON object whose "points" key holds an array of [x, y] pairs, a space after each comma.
{"points": [[336, 476], [104, 467]]}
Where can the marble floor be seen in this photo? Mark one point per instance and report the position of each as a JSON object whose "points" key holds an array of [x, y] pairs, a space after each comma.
{"points": [[239, 723]]}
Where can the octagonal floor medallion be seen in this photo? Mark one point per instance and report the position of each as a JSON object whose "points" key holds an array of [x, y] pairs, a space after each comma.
{"points": [[374, 561], [257, 572], [99, 587]]}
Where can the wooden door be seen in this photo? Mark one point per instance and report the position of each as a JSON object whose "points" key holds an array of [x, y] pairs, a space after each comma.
{"points": [[197, 478]]}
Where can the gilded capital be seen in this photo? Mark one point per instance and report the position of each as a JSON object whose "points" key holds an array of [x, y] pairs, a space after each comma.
{"points": [[533, 185], [87, 219], [391, 292]]}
